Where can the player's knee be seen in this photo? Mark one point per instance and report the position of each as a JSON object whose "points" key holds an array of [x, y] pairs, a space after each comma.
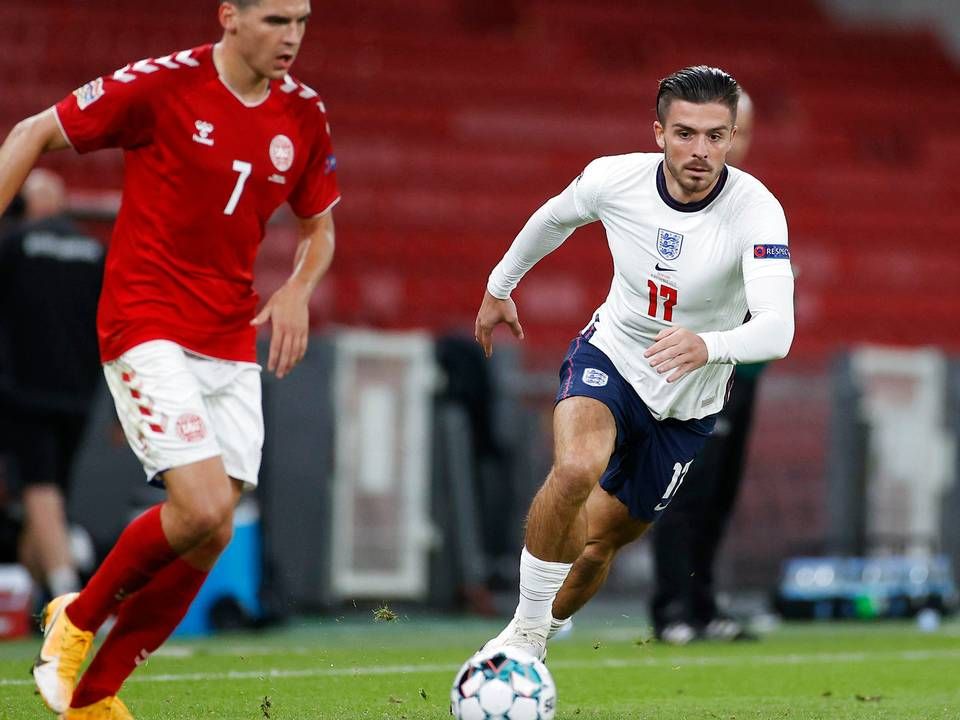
{"points": [[222, 536], [41, 495], [573, 478], [206, 521], [198, 524]]}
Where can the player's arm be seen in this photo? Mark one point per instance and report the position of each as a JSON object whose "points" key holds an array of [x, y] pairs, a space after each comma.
{"points": [[766, 336], [288, 308], [112, 111], [28, 140], [543, 233], [768, 286]]}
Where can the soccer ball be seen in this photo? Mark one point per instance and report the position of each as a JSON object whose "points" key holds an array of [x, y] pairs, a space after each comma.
{"points": [[503, 684]]}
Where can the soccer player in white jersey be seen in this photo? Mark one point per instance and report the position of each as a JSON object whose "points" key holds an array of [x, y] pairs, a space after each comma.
{"points": [[696, 245], [215, 139]]}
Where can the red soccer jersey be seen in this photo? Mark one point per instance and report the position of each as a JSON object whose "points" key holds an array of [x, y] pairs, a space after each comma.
{"points": [[204, 173]]}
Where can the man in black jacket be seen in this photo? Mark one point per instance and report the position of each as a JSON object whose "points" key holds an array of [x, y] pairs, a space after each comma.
{"points": [[50, 277]]}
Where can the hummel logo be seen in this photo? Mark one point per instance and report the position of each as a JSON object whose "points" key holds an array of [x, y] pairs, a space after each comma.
{"points": [[665, 269], [203, 131]]}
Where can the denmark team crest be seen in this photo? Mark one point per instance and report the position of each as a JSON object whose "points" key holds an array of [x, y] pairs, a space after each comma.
{"points": [[669, 244], [281, 153]]}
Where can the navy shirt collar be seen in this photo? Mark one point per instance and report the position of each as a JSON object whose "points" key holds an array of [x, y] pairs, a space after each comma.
{"points": [[693, 206]]}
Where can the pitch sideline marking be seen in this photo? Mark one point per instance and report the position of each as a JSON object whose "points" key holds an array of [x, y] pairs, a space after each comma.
{"points": [[676, 662]]}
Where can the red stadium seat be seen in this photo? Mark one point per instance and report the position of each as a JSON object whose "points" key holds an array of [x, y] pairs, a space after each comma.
{"points": [[448, 137]]}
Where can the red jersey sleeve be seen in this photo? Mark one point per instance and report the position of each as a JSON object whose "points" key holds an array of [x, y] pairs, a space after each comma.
{"points": [[317, 190], [112, 111]]}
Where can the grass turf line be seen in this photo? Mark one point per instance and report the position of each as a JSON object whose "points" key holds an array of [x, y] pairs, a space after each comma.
{"points": [[355, 669]]}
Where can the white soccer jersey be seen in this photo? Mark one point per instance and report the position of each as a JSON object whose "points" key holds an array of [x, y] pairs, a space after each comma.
{"points": [[699, 266]]}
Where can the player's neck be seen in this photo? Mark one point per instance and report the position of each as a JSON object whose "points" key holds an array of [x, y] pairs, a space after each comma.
{"points": [[242, 80], [678, 193]]}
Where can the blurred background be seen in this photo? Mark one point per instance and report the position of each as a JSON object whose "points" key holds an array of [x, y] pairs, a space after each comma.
{"points": [[398, 464]]}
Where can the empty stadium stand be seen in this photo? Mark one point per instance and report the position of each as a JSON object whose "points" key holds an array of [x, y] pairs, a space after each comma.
{"points": [[452, 122]]}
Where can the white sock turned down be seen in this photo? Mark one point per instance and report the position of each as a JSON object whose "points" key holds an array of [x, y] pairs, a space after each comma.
{"points": [[540, 582], [63, 580]]}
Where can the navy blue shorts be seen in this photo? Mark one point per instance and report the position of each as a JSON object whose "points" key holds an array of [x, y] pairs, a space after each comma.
{"points": [[651, 457]]}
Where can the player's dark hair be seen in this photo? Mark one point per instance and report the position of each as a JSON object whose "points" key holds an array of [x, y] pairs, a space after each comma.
{"points": [[698, 84], [242, 4]]}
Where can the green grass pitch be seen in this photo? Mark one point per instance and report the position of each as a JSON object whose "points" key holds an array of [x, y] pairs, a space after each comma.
{"points": [[357, 668]]}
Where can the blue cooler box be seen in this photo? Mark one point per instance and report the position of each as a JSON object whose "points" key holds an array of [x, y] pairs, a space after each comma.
{"points": [[236, 575]]}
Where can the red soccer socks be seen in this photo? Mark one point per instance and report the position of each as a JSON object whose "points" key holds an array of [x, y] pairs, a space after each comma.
{"points": [[141, 551], [146, 619]]}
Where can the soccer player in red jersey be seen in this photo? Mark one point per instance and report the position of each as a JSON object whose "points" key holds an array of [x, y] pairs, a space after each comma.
{"points": [[215, 139]]}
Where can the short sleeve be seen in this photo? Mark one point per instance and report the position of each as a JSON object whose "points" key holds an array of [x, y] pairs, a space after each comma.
{"points": [[766, 250], [112, 111], [317, 190]]}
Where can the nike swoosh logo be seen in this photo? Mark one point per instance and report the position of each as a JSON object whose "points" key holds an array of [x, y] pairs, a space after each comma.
{"points": [[45, 628], [42, 659], [665, 269], [660, 507]]}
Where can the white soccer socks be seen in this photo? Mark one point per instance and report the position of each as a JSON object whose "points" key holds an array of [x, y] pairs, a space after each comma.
{"points": [[540, 581], [63, 580], [559, 628]]}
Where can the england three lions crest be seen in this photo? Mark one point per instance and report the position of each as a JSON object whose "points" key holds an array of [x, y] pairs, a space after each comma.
{"points": [[669, 244]]}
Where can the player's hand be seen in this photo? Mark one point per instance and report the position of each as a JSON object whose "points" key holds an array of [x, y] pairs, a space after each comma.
{"points": [[493, 312], [289, 313], [679, 350]]}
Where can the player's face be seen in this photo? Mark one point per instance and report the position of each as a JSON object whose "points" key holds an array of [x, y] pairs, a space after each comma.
{"points": [[269, 34], [695, 139]]}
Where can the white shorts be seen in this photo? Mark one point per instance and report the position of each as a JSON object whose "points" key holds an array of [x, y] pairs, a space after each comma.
{"points": [[177, 407]]}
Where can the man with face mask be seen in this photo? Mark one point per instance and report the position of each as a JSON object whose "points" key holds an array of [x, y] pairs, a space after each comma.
{"points": [[696, 245], [215, 138]]}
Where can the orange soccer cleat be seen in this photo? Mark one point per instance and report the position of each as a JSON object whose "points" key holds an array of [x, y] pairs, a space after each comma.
{"points": [[110, 708], [65, 646]]}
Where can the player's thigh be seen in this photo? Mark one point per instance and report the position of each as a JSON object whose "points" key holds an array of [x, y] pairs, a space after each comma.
{"points": [[236, 409], [649, 473], [609, 523], [584, 435], [202, 487], [590, 417], [161, 407], [667, 460]]}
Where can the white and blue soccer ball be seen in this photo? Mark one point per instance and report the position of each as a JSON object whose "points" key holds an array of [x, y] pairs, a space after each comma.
{"points": [[503, 684]]}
